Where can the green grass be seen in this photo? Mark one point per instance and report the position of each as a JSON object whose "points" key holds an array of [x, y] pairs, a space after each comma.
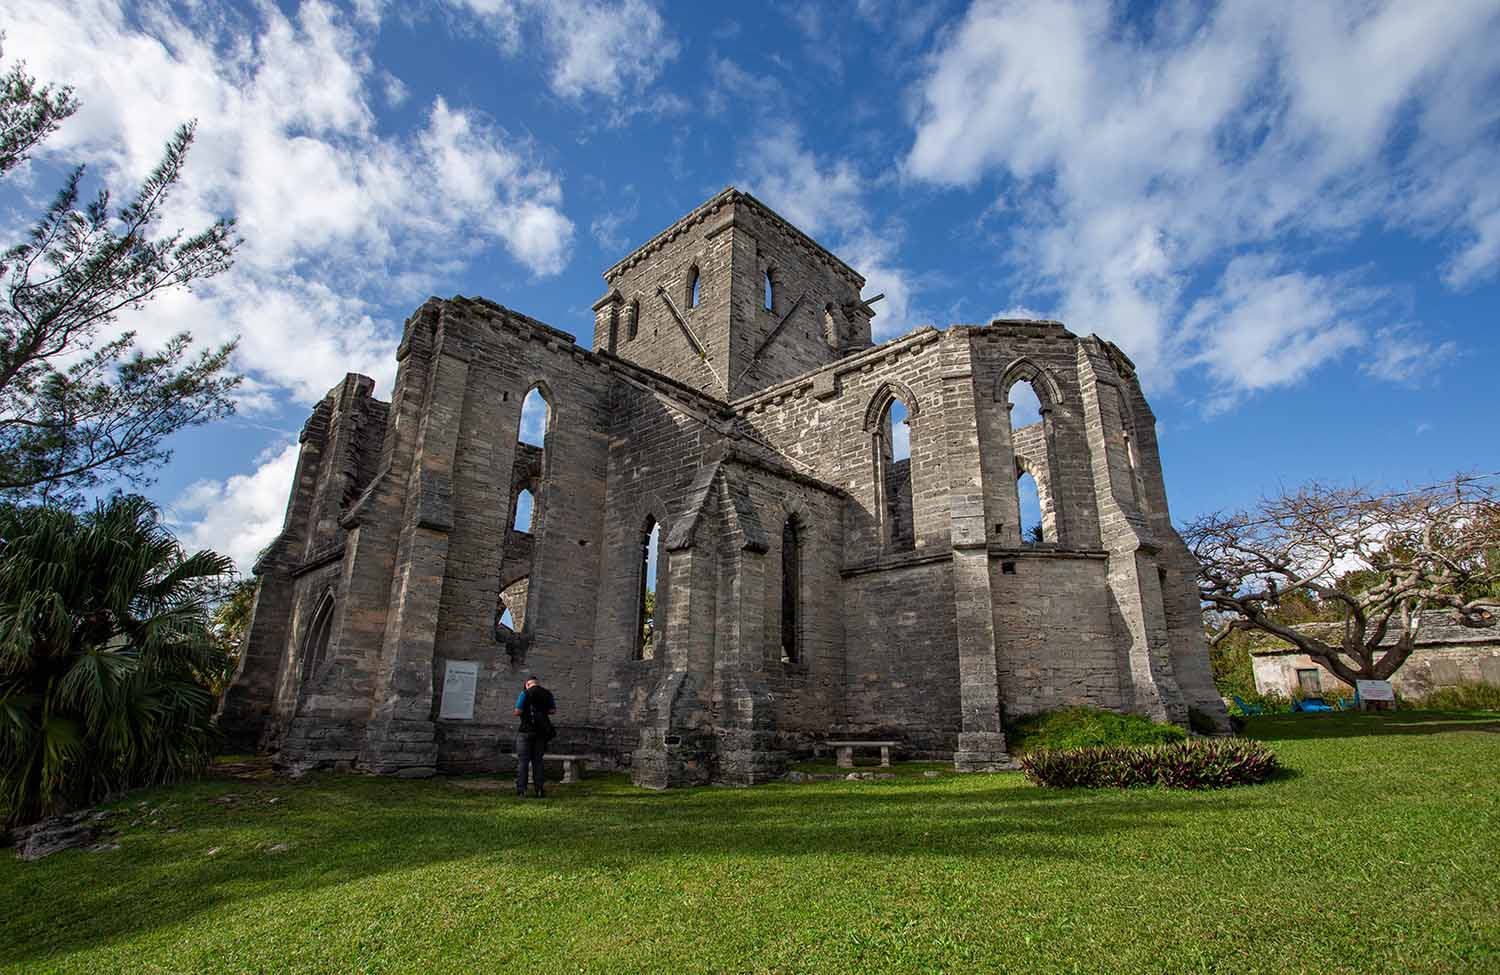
{"points": [[1377, 853], [1087, 728]]}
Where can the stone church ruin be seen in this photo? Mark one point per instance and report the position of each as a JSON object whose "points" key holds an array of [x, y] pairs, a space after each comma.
{"points": [[732, 426]]}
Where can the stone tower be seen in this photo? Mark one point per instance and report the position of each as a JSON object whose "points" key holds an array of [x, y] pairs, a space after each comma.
{"points": [[751, 299], [810, 583]]}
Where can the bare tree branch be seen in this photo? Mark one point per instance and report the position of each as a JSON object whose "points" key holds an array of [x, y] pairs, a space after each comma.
{"points": [[1375, 563]]}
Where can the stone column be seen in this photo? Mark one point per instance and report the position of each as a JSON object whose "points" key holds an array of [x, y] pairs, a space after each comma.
{"points": [[401, 737], [245, 711], [1135, 588], [677, 738], [981, 738], [677, 741], [747, 727], [247, 714]]}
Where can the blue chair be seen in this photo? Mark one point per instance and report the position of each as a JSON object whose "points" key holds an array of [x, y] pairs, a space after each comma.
{"points": [[1310, 705], [1248, 710]]}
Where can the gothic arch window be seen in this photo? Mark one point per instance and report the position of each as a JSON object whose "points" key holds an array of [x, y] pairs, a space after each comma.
{"points": [[770, 291], [524, 508], [633, 319], [888, 421], [830, 327], [1035, 509], [510, 608], [649, 590], [693, 279], [791, 591], [536, 418], [319, 632], [515, 606], [1029, 497], [1046, 388], [1138, 493]]}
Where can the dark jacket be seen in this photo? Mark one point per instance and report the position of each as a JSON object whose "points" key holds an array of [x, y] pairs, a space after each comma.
{"points": [[534, 706]]}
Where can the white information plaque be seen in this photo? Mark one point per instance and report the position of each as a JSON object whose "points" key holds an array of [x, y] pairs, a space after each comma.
{"points": [[1375, 690], [459, 680]]}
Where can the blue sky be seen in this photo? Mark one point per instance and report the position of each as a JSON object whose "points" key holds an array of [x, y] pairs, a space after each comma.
{"points": [[1287, 213]]}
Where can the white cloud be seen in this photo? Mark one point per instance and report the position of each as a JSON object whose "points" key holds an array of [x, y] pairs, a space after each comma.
{"points": [[816, 197], [595, 47], [338, 219], [1401, 354], [395, 89], [1265, 327], [503, 17], [238, 516], [606, 48], [732, 81], [607, 229], [1142, 155]]}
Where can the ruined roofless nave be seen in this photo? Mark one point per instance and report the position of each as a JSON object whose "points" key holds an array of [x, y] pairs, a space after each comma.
{"points": [[813, 579]]}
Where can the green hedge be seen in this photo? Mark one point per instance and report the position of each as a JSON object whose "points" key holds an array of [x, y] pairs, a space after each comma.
{"points": [[1083, 727], [1469, 695], [1196, 764]]}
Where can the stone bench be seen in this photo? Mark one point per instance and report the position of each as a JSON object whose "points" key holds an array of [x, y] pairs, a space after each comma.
{"points": [[845, 751], [573, 765]]}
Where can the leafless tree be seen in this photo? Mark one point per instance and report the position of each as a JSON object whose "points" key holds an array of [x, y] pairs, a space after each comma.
{"points": [[1378, 563]]}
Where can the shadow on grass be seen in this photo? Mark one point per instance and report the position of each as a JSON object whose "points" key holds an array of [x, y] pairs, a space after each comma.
{"points": [[338, 829], [1291, 727]]}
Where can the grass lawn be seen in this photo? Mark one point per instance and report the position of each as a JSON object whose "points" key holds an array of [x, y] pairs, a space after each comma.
{"points": [[1379, 853]]}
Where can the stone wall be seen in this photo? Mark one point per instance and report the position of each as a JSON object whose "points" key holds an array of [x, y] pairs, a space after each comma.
{"points": [[1446, 654]]}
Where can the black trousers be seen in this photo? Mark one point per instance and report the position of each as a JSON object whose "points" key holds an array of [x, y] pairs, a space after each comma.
{"points": [[529, 751]]}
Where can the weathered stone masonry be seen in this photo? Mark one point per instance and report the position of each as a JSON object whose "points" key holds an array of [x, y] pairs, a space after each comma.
{"points": [[732, 389]]}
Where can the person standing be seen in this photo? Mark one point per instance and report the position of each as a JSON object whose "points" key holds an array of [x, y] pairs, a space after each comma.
{"points": [[534, 706]]}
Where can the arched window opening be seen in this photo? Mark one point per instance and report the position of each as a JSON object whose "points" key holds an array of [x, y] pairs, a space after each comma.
{"points": [[770, 295], [898, 418], [1031, 508], [633, 319], [646, 603], [512, 604], [523, 509], [830, 327], [525, 528], [535, 418], [1035, 516], [315, 650], [1025, 405], [791, 593], [692, 287], [1137, 488], [614, 326], [1137, 482], [896, 481]]}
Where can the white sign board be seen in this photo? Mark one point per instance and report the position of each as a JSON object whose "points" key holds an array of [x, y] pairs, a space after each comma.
{"points": [[1375, 690], [459, 680]]}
